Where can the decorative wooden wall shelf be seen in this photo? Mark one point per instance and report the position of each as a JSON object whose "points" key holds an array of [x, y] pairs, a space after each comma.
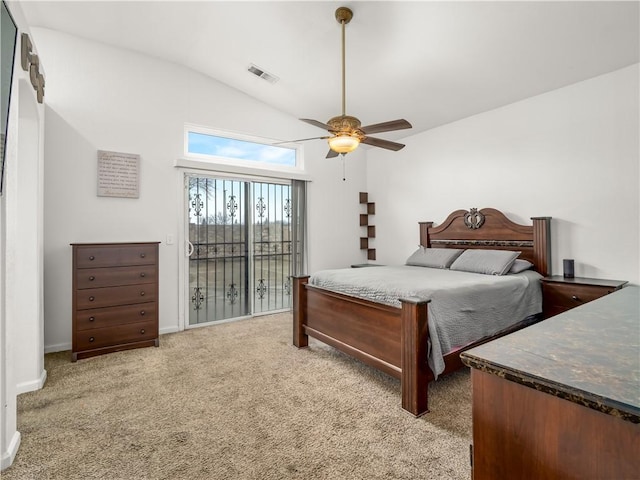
{"points": [[364, 222]]}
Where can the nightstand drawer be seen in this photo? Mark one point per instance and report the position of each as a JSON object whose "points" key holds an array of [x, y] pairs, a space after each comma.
{"points": [[560, 294], [571, 296]]}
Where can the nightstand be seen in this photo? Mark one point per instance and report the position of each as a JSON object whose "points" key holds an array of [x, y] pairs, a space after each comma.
{"points": [[560, 294]]}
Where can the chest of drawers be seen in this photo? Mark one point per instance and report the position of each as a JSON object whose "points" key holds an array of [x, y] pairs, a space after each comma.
{"points": [[115, 297]]}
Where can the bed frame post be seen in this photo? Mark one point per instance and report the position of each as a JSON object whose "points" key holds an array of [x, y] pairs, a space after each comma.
{"points": [[542, 244], [300, 338], [413, 350], [424, 233]]}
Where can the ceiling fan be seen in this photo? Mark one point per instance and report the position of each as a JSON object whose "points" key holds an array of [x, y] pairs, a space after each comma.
{"points": [[346, 131]]}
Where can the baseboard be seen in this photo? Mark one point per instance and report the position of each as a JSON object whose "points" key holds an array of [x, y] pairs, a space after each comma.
{"points": [[33, 385], [61, 347], [10, 454], [169, 330]]}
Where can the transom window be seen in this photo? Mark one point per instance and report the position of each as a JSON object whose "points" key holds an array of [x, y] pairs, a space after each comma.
{"points": [[240, 150]]}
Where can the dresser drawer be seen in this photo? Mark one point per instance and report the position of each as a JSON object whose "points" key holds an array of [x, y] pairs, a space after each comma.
{"points": [[110, 336], [111, 296], [108, 256], [113, 276], [105, 317]]}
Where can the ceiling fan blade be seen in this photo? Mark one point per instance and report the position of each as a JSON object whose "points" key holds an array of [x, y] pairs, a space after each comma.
{"points": [[316, 123], [399, 124], [378, 142], [300, 140], [332, 154]]}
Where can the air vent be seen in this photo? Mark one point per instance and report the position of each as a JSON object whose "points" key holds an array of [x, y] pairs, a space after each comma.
{"points": [[258, 72]]}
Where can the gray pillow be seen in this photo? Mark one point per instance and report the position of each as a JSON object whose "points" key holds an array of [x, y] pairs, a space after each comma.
{"points": [[489, 262], [520, 266], [433, 257]]}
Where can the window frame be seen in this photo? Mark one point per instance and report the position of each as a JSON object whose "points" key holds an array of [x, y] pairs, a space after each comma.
{"points": [[235, 162]]}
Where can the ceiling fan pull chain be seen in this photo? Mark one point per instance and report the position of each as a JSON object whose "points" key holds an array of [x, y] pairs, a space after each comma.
{"points": [[344, 176]]}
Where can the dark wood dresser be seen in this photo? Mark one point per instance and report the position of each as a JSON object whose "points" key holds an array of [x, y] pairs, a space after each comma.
{"points": [[559, 399], [115, 297]]}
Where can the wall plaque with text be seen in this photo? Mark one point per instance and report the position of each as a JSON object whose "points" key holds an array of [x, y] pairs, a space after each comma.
{"points": [[118, 174]]}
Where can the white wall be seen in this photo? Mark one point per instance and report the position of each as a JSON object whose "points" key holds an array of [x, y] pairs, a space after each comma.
{"points": [[571, 154], [99, 97]]}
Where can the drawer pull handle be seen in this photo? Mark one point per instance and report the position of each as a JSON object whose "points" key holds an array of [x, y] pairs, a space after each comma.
{"points": [[91, 339], [142, 255], [92, 258], [92, 278], [576, 298], [143, 274], [91, 299], [142, 330], [142, 312], [91, 319], [142, 294]]}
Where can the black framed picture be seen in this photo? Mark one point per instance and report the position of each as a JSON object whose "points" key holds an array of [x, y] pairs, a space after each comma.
{"points": [[9, 35]]}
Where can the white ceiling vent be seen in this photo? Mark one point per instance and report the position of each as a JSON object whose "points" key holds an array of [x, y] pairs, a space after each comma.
{"points": [[258, 72]]}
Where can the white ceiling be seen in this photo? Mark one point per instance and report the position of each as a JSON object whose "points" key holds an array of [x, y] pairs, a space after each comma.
{"points": [[429, 62]]}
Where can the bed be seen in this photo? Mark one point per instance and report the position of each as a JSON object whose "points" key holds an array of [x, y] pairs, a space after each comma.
{"points": [[395, 338]]}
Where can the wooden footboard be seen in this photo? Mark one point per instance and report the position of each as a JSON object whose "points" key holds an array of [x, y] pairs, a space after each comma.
{"points": [[393, 340]]}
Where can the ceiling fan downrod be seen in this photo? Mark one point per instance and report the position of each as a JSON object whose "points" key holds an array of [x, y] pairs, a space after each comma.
{"points": [[344, 16]]}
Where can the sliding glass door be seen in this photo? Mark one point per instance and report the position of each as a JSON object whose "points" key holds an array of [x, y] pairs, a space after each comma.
{"points": [[240, 248]]}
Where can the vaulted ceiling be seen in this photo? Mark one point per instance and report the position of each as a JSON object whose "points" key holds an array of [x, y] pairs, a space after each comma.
{"points": [[429, 62]]}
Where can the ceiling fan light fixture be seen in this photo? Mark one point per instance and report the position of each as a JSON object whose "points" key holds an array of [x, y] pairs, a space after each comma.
{"points": [[344, 143]]}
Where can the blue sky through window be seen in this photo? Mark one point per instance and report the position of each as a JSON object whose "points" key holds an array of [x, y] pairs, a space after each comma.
{"points": [[204, 144]]}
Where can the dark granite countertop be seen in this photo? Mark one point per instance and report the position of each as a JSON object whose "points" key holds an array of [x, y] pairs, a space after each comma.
{"points": [[588, 355]]}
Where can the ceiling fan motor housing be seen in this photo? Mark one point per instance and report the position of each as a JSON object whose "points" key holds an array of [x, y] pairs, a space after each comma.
{"points": [[345, 124]]}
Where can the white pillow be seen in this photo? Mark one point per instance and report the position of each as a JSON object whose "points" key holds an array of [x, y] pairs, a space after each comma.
{"points": [[489, 262]]}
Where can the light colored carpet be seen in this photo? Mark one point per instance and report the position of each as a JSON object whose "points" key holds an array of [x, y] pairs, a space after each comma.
{"points": [[236, 401]]}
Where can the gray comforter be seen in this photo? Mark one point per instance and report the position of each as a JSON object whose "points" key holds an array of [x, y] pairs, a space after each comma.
{"points": [[464, 307]]}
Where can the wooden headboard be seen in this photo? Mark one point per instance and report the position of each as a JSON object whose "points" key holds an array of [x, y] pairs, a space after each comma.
{"points": [[491, 229]]}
